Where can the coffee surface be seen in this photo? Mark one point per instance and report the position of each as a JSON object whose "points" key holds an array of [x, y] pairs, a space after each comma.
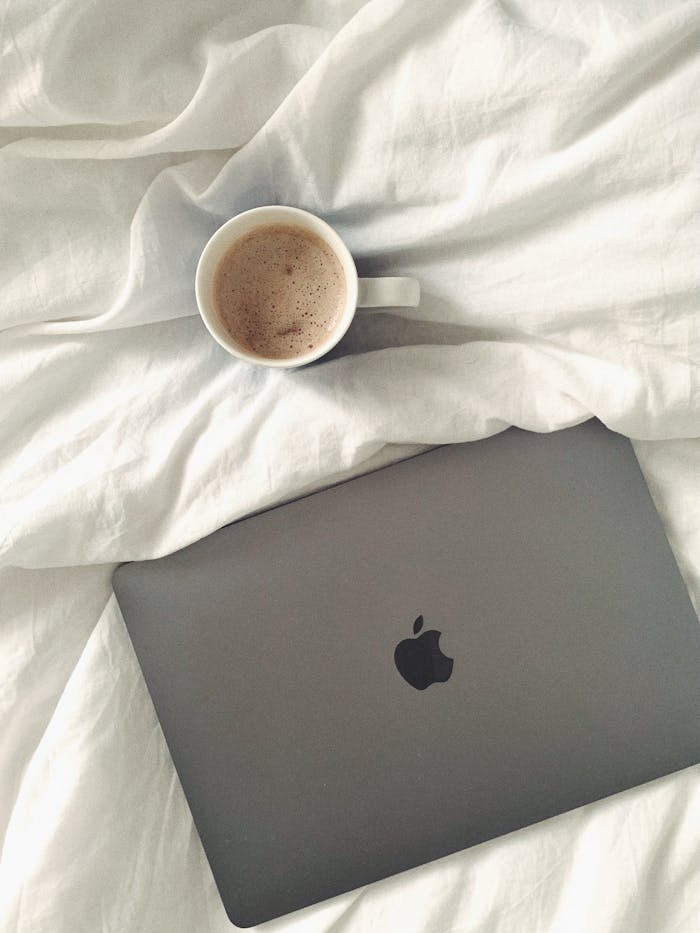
{"points": [[279, 291]]}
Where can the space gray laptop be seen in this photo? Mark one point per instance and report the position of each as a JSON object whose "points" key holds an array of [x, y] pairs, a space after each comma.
{"points": [[418, 660]]}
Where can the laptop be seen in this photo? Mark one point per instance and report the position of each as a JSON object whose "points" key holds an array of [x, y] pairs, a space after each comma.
{"points": [[418, 660]]}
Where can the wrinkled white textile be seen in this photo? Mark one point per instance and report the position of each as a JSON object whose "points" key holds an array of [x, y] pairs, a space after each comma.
{"points": [[534, 164]]}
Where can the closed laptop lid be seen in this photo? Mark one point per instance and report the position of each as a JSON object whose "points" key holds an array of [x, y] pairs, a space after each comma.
{"points": [[418, 660]]}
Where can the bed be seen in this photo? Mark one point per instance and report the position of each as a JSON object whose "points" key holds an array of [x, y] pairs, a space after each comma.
{"points": [[534, 165]]}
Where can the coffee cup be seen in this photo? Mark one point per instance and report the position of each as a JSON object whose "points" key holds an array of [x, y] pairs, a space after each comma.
{"points": [[356, 292]]}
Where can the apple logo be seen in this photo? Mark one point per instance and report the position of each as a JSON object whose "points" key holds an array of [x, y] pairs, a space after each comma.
{"points": [[420, 660]]}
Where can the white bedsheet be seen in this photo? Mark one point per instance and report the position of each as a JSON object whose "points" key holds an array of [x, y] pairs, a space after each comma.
{"points": [[532, 163]]}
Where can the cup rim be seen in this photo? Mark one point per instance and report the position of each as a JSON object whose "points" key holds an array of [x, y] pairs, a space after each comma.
{"points": [[271, 214]]}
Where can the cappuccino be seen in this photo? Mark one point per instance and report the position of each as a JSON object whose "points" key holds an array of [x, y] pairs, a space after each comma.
{"points": [[279, 291]]}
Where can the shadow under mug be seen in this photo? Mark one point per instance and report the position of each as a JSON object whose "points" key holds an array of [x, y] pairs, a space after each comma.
{"points": [[387, 292]]}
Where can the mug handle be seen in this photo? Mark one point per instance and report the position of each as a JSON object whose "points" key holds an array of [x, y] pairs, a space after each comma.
{"points": [[388, 292]]}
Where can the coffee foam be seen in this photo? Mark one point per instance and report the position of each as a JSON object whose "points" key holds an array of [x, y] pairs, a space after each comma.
{"points": [[279, 291]]}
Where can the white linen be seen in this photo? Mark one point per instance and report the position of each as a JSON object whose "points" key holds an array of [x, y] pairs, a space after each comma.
{"points": [[532, 163]]}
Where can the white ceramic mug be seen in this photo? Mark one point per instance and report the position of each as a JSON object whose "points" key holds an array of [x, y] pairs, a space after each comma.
{"points": [[390, 292]]}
